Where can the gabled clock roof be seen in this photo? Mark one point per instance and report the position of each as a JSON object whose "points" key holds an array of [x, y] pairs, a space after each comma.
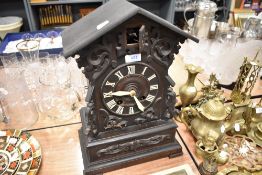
{"points": [[105, 18]]}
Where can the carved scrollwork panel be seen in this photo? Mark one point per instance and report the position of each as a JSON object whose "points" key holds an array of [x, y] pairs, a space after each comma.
{"points": [[113, 122], [163, 50], [150, 114], [96, 61], [133, 145]]}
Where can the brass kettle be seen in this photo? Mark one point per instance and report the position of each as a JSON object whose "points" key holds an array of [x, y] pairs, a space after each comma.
{"points": [[206, 119]]}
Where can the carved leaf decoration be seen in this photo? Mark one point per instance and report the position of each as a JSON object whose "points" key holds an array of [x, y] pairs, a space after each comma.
{"points": [[112, 149], [97, 57], [149, 114], [99, 71], [122, 124], [133, 145], [95, 62], [163, 50], [113, 122]]}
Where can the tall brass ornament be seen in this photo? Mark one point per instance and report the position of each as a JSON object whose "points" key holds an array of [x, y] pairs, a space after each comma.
{"points": [[242, 105], [246, 80]]}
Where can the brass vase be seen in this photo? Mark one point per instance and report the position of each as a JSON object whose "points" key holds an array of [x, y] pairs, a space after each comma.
{"points": [[188, 91]]}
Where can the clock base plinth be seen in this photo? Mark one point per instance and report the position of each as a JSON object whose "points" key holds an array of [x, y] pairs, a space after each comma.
{"points": [[108, 154]]}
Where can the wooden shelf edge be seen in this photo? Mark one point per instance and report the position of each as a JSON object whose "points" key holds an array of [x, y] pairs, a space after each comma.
{"points": [[243, 10], [64, 2]]}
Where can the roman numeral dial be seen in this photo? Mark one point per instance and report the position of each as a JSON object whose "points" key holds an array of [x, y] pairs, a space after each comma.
{"points": [[131, 69], [154, 87], [111, 104], [130, 89], [119, 75]]}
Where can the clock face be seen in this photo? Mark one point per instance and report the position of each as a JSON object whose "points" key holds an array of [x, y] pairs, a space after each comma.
{"points": [[130, 89]]}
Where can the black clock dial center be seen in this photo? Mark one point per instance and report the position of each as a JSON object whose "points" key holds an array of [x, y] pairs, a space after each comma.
{"points": [[136, 83]]}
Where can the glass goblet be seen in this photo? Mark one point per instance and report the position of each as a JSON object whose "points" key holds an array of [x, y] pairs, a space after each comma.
{"points": [[29, 50]]}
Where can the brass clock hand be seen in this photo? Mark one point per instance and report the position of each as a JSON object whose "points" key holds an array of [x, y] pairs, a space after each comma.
{"points": [[120, 93], [138, 103], [132, 94]]}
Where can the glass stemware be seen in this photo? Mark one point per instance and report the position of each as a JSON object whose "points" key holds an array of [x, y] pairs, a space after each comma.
{"points": [[58, 103], [78, 80], [62, 71], [52, 35], [39, 36], [29, 49], [27, 36], [47, 84], [57, 99]]}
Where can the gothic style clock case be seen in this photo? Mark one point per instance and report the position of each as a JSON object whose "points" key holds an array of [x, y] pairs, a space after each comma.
{"points": [[126, 52]]}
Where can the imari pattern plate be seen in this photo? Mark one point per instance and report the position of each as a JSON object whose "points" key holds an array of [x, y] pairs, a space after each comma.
{"points": [[20, 153]]}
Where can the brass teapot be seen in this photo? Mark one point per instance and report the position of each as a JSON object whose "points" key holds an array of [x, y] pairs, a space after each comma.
{"points": [[208, 118]]}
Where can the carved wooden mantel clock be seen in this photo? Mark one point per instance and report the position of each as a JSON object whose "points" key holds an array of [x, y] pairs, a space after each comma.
{"points": [[126, 52]]}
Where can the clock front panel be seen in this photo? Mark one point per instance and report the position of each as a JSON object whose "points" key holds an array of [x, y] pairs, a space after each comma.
{"points": [[130, 89]]}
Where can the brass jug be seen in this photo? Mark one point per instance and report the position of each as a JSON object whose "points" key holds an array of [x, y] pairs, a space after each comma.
{"points": [[204, 17]]}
